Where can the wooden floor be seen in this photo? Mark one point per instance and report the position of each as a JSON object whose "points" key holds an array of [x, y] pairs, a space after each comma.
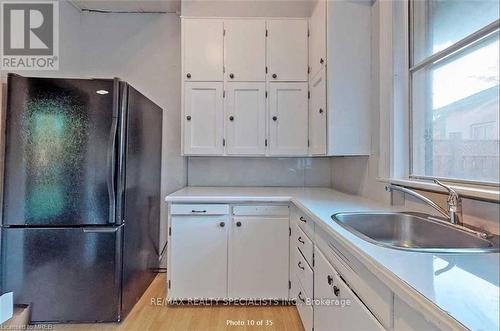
{"points": [[145, 316]]}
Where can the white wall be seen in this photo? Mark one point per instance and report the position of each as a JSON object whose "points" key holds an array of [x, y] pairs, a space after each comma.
{"points": [[144, 50], [247, 8]]}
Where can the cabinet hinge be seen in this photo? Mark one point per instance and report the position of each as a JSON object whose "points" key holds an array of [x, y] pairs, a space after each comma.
{"points": [[266, 69], [266, 94], [309, 94], [169, 231], [289, 284], [308, 33], [223, 142], [224, 69], [169, 284], [223, 32], [224, 93], [314, 259], [308, 143], [267, 33], [265, 142], [289, 232], [308, 69]]}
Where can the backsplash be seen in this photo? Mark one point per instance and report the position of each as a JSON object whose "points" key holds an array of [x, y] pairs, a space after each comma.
{"points": [[255, 171]]}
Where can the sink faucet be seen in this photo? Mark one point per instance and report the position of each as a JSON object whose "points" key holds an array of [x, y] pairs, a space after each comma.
{"points": [[454, 212]]}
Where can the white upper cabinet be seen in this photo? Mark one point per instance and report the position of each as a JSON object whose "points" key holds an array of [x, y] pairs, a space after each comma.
{"points": [[245, 50], [317, 38], [203, 118], [317, 115], [349, 78], [245, 108], [288, 115], [202, 41], [287, 50]]}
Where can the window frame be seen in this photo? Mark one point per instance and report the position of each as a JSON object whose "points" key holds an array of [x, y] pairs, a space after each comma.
{"points": [[461, 45]]}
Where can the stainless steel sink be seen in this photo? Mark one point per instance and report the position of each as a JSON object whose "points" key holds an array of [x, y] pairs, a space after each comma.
{"points": [[415, 232]]}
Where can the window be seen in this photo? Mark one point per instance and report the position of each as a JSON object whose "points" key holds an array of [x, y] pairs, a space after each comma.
{"points": [[454, 88]]}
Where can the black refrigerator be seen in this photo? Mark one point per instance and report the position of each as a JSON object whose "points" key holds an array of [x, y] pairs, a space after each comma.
{"points": [[81, 197]]}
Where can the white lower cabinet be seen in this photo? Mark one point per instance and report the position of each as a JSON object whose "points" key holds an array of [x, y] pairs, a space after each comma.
{"points": [[215, 255], [305, 308], [258, 263], [198, 254], [337, 306]]}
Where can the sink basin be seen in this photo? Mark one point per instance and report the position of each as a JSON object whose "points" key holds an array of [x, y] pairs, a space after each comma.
{"points": [[415, 232]]}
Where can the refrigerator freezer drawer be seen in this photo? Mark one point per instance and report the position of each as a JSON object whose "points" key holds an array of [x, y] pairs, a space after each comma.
{"points": [[65, 274]]}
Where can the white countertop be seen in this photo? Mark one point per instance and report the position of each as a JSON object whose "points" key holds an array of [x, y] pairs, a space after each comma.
{"points": [[465, 286]]}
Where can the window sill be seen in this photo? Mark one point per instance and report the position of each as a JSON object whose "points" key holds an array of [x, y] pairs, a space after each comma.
{"points": [[485, 193]]}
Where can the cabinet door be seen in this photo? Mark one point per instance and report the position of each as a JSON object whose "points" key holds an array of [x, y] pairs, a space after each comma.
{"points": [[287, 50], [246, 118], [317, 38], [338, 315], [203, 118], [258, 258], [288, 118], [245, 50], [198, 257], [317, 115], [202, 41]]}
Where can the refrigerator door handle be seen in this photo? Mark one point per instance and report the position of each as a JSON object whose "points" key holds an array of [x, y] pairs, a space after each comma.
{"points": [[112, 157], [100, 230]]}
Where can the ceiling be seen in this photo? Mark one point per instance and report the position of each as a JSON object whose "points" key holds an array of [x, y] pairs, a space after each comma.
{"points": [[164, 6]]}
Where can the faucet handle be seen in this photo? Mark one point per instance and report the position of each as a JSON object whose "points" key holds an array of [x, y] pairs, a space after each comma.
{"points": [[453, 198]]}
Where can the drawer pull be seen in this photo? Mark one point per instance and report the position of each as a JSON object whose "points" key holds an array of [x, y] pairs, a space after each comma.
{"points": [[329, 279], [300, 265], [300, 297], [301, 240], [222, 224], [302, 219], [336, 291], [198, 211]]}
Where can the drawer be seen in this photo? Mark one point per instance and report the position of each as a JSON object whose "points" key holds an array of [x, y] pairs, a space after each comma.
{"points": [[304, 274], [261, 210], [305, 223], [198, 209], [375, 294], [305, 308], [305, 245]]}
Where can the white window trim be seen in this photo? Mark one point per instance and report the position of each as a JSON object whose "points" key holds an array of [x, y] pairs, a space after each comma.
{"points": [[394, 148]]}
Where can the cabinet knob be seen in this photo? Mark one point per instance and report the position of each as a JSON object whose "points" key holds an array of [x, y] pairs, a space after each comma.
{"points": [[300, 265], [231, 118], [336, 291], [238, 224], [300, 297], [275, 76], [302, 219], [321, 61], [188, 75], [301, 240], [188, 117], [222, 224], [321, 111], [231, 75], [329, 279], [275, 118]]}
